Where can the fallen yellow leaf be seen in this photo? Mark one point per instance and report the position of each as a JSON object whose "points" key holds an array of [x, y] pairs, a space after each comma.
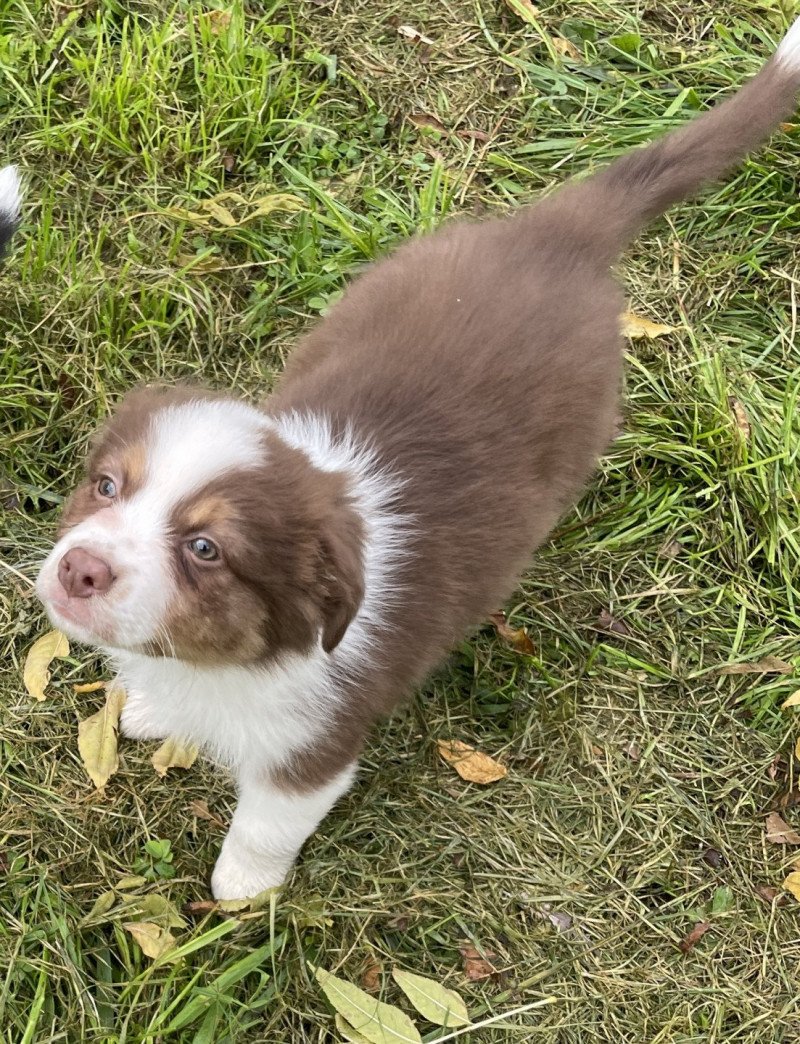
{"points": [[434, 1002], [97, 739], [173, 754], [469, 763], [797, 750], [89, 687], [153, 940], [380, 1023], [525, 10], [35, 674], [350, 1033], [222, 214], [517, 638], [567, 48], [740, 416], [636, 327], [218, 21], [793, 701], [792, 884]]}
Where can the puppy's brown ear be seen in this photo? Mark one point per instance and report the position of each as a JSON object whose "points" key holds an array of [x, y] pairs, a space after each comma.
{"points": [[341, 576]]}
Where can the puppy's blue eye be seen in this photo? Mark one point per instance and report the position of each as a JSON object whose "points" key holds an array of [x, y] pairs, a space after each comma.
{"points": [[203, 549], [106, 487]]}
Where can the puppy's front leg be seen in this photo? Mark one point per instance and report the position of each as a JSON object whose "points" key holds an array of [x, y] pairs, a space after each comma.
{"points": [[267, 832], [140, 719]]}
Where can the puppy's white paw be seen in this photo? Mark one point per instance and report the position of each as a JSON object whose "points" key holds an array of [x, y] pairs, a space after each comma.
{"points": [[242, 874], [139, 720]]}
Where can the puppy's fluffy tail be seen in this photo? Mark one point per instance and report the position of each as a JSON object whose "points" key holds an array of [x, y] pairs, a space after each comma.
{"points": [[639, 186], [10, 198]]}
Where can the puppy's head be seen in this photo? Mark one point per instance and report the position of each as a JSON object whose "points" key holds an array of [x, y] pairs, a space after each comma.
{"points": [[199, 534]]}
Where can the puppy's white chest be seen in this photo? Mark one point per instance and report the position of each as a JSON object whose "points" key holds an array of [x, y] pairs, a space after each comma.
{"points": [[239, 716]]}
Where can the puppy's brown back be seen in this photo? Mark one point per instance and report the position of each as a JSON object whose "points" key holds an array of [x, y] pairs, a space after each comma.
{"points": [[483, 362]]}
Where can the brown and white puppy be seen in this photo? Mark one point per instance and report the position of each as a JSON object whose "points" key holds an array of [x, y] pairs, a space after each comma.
{"points": [[270, 581]]}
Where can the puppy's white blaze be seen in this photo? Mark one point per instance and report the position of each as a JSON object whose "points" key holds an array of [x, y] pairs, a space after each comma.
{"points": [[788, 53], [191, 444], [10, 192]]}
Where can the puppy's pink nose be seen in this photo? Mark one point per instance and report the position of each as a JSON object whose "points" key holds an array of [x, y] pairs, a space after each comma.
{"points": [[83, 574]]}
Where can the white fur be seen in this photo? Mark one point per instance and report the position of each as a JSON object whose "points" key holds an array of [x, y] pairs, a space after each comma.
{"points": [[240, 716], [10, 193], [788, 53], [268, 831], [251, 719]]}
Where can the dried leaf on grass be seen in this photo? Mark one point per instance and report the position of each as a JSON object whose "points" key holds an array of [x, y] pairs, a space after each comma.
{"points": [[379, 1023], [472, 765], [371, 976], [426, 122], [692, 938], [174, 754], [213, 213], [777, 765], [153, 940], [739, 416], [789, 798], [567, 48], [516, 638], [433, 1001], [350, 1034], [129, 882], [525, 10], [561, 921], [202, 811], [102, 904], [769, 665], [472, 134], [477, 965], [793, 701], [606, 621], [714, 858], [779, 832], [156, 908], [414, 35], [85, 687], [771, 895], [218, 21], [792, 884], [97, 739], [200, 907], [35, 673], [636, 327]]}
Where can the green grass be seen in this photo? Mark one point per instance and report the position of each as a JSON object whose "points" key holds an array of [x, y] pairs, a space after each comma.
{"points": [[629, 757]]}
